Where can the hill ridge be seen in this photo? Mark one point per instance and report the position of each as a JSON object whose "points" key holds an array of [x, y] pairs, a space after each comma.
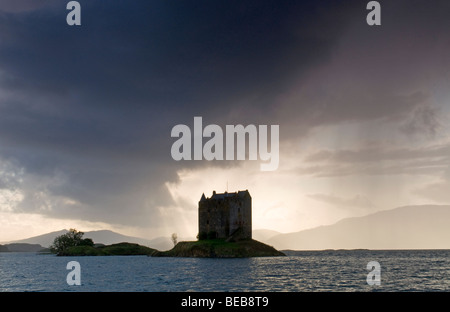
{"points": [[406, 227]]}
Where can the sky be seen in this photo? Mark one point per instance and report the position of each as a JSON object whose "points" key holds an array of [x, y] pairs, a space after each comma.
{"points": [[86, 112]]}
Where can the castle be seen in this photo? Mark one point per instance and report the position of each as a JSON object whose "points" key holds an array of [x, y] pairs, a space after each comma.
{"points": [[227, 215]]}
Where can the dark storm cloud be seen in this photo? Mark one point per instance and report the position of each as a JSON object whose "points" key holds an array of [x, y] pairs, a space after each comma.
{"points": [[86, 112], [385, 73]]}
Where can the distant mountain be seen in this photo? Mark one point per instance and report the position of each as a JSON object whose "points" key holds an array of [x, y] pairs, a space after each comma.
{"points": [[44, 240], [109, 237], [410, 227], [102, 237], [264, 235]]}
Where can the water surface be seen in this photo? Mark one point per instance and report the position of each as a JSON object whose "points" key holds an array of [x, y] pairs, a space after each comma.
{"points": [[402, 270]]}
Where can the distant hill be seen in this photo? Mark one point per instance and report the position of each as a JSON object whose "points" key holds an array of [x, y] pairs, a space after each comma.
{"points": [[264, 235], [410, 227], [109, 237], [105, 237], [24, 247], [44, 240], [21, 247]]}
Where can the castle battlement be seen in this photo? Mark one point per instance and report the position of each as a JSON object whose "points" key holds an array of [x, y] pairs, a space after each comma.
{"points": [[226, 215]]}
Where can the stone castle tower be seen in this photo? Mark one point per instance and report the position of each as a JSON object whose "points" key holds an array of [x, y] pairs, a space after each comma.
{"points": [[227, 215]]}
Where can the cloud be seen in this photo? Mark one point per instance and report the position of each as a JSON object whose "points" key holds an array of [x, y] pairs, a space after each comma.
{"points": [[436, 191], [387, 74], [424, 120], [378, 160], [358, 202]]}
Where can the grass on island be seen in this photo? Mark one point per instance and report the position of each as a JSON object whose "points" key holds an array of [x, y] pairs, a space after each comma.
{"points": [[120, 249], [220, 248]]}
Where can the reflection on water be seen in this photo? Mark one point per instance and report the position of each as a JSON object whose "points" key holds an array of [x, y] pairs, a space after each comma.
{"points": [[420, 270]]}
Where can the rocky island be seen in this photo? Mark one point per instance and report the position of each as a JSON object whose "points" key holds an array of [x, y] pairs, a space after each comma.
{"points": [[73, 244], [220, 248], [120, 249]]}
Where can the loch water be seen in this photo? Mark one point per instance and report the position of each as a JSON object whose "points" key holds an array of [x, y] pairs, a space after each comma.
{"points": [[333, 270]]}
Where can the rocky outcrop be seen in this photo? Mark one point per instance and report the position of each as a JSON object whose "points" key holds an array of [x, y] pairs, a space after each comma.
{"points": [[220, 248]]}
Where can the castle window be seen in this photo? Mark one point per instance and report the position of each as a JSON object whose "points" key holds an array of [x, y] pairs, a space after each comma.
{"points": [[207, 221]]}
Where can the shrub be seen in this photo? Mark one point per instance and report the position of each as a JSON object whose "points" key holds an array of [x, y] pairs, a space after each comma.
{"points": [[202, 236], [212, 234], [70, 239]]}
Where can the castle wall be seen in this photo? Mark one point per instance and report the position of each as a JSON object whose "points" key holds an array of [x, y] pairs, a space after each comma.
{"points": [[225, 214], [240, 214], [213, 217]]}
